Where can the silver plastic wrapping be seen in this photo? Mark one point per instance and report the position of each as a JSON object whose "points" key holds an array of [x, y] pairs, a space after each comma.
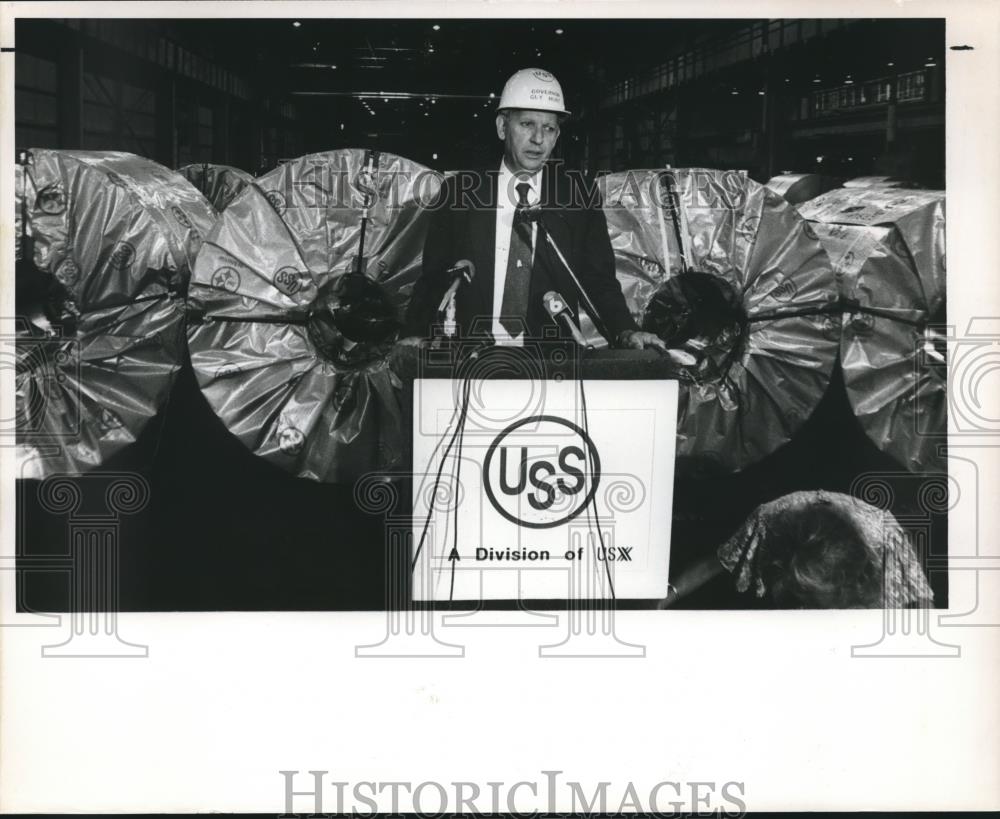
{"points": [[268, 360], [18, 208], [777, 368], [220, 184], [878, 182], [796, 188], [887, 248], [114, 237]]}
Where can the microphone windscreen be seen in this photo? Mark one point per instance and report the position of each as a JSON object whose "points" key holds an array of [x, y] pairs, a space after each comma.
{"points": [[554, 303]]}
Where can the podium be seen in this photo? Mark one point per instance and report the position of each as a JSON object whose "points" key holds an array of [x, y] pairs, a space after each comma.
{"points": [[538, 475]]}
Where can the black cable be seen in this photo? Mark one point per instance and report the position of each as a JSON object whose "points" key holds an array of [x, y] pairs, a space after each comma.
{"points": [[842, 305], [593, 500], [371, 158], [462, 412], [673, 207], [453, 555]]}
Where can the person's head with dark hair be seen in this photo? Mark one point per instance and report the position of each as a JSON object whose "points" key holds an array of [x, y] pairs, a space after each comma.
{"points": [[817, 559], [825, 550]]}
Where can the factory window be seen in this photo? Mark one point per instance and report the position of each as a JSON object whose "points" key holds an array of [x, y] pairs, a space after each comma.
{"points": [[911, 86]]}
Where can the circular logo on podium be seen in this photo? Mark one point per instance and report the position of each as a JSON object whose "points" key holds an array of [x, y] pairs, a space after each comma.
{"points": [[541, 472]]}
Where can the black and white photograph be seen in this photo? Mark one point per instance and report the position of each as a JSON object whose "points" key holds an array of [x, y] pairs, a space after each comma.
{"points": [[568, 330]]}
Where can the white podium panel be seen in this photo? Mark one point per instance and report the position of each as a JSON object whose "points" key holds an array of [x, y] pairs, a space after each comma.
{"points": [[542, 489]]}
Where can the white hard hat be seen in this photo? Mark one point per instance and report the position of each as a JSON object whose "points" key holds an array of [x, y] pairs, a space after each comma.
{"points": [[534, 89]]}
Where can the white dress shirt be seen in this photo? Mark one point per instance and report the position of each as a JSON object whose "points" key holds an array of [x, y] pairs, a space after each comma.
{"points": [[506, 205]]}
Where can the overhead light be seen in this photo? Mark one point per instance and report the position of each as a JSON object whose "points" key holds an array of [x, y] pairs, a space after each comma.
{"points": [[434, 156], [929, 65], [850, 159], [819, 159], [474, 116], [890, 64], [436, 27], [787, 80], [315, 48], [559, 31], [333, 67], [848, 82], [492, 95], [341, 126], [430, 50], [427, 113], [538, 53], [760, 93], [433, 101], [816, 79], [297, 24], [734, 93]]}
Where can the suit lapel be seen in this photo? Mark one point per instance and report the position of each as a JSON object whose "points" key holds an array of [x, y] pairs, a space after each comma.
{"points": [[483, 236]]}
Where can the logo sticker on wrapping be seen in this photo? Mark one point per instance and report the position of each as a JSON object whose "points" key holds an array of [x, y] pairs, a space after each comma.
{"points": [[277, 200], [122, 256], [226, 278], [750, 225], [290, 441], [542, 75], [51, 200], [180, 216], [289, 280], [68, 272], [523, 479], [784, 289]]}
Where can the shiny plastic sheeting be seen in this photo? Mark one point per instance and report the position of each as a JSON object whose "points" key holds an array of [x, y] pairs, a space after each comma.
{"points": [[768, 376], [878, 182], [894, 372], [293, 363], [796, 188], [219, 183], [113, 239]]}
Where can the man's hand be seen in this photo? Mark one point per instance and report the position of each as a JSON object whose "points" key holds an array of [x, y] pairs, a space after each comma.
{"points": [[639, 340]]}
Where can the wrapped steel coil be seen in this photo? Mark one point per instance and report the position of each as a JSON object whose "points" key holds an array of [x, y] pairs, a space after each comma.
{"points": [[796, 188], [887, 248], [219, 183], [878, 182], [722, 265], [107, 244], [299, 292]]}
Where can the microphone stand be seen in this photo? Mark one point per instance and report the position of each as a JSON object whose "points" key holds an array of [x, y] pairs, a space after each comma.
{"points": [[587, 303]]}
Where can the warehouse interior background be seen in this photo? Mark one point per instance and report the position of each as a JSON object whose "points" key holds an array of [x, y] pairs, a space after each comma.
{"points": [[843, 97], [225, 530]]}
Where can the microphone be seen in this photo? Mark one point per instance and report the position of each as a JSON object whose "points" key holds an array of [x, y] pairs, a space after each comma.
{"points": [[555, 306], [462, 271], [535, 215]]}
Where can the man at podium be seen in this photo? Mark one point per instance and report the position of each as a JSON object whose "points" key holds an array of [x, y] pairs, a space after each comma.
{"points": [[513, 251]]}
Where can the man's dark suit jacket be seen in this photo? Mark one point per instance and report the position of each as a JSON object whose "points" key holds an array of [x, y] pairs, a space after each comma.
{"points": [[463, 226]]}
